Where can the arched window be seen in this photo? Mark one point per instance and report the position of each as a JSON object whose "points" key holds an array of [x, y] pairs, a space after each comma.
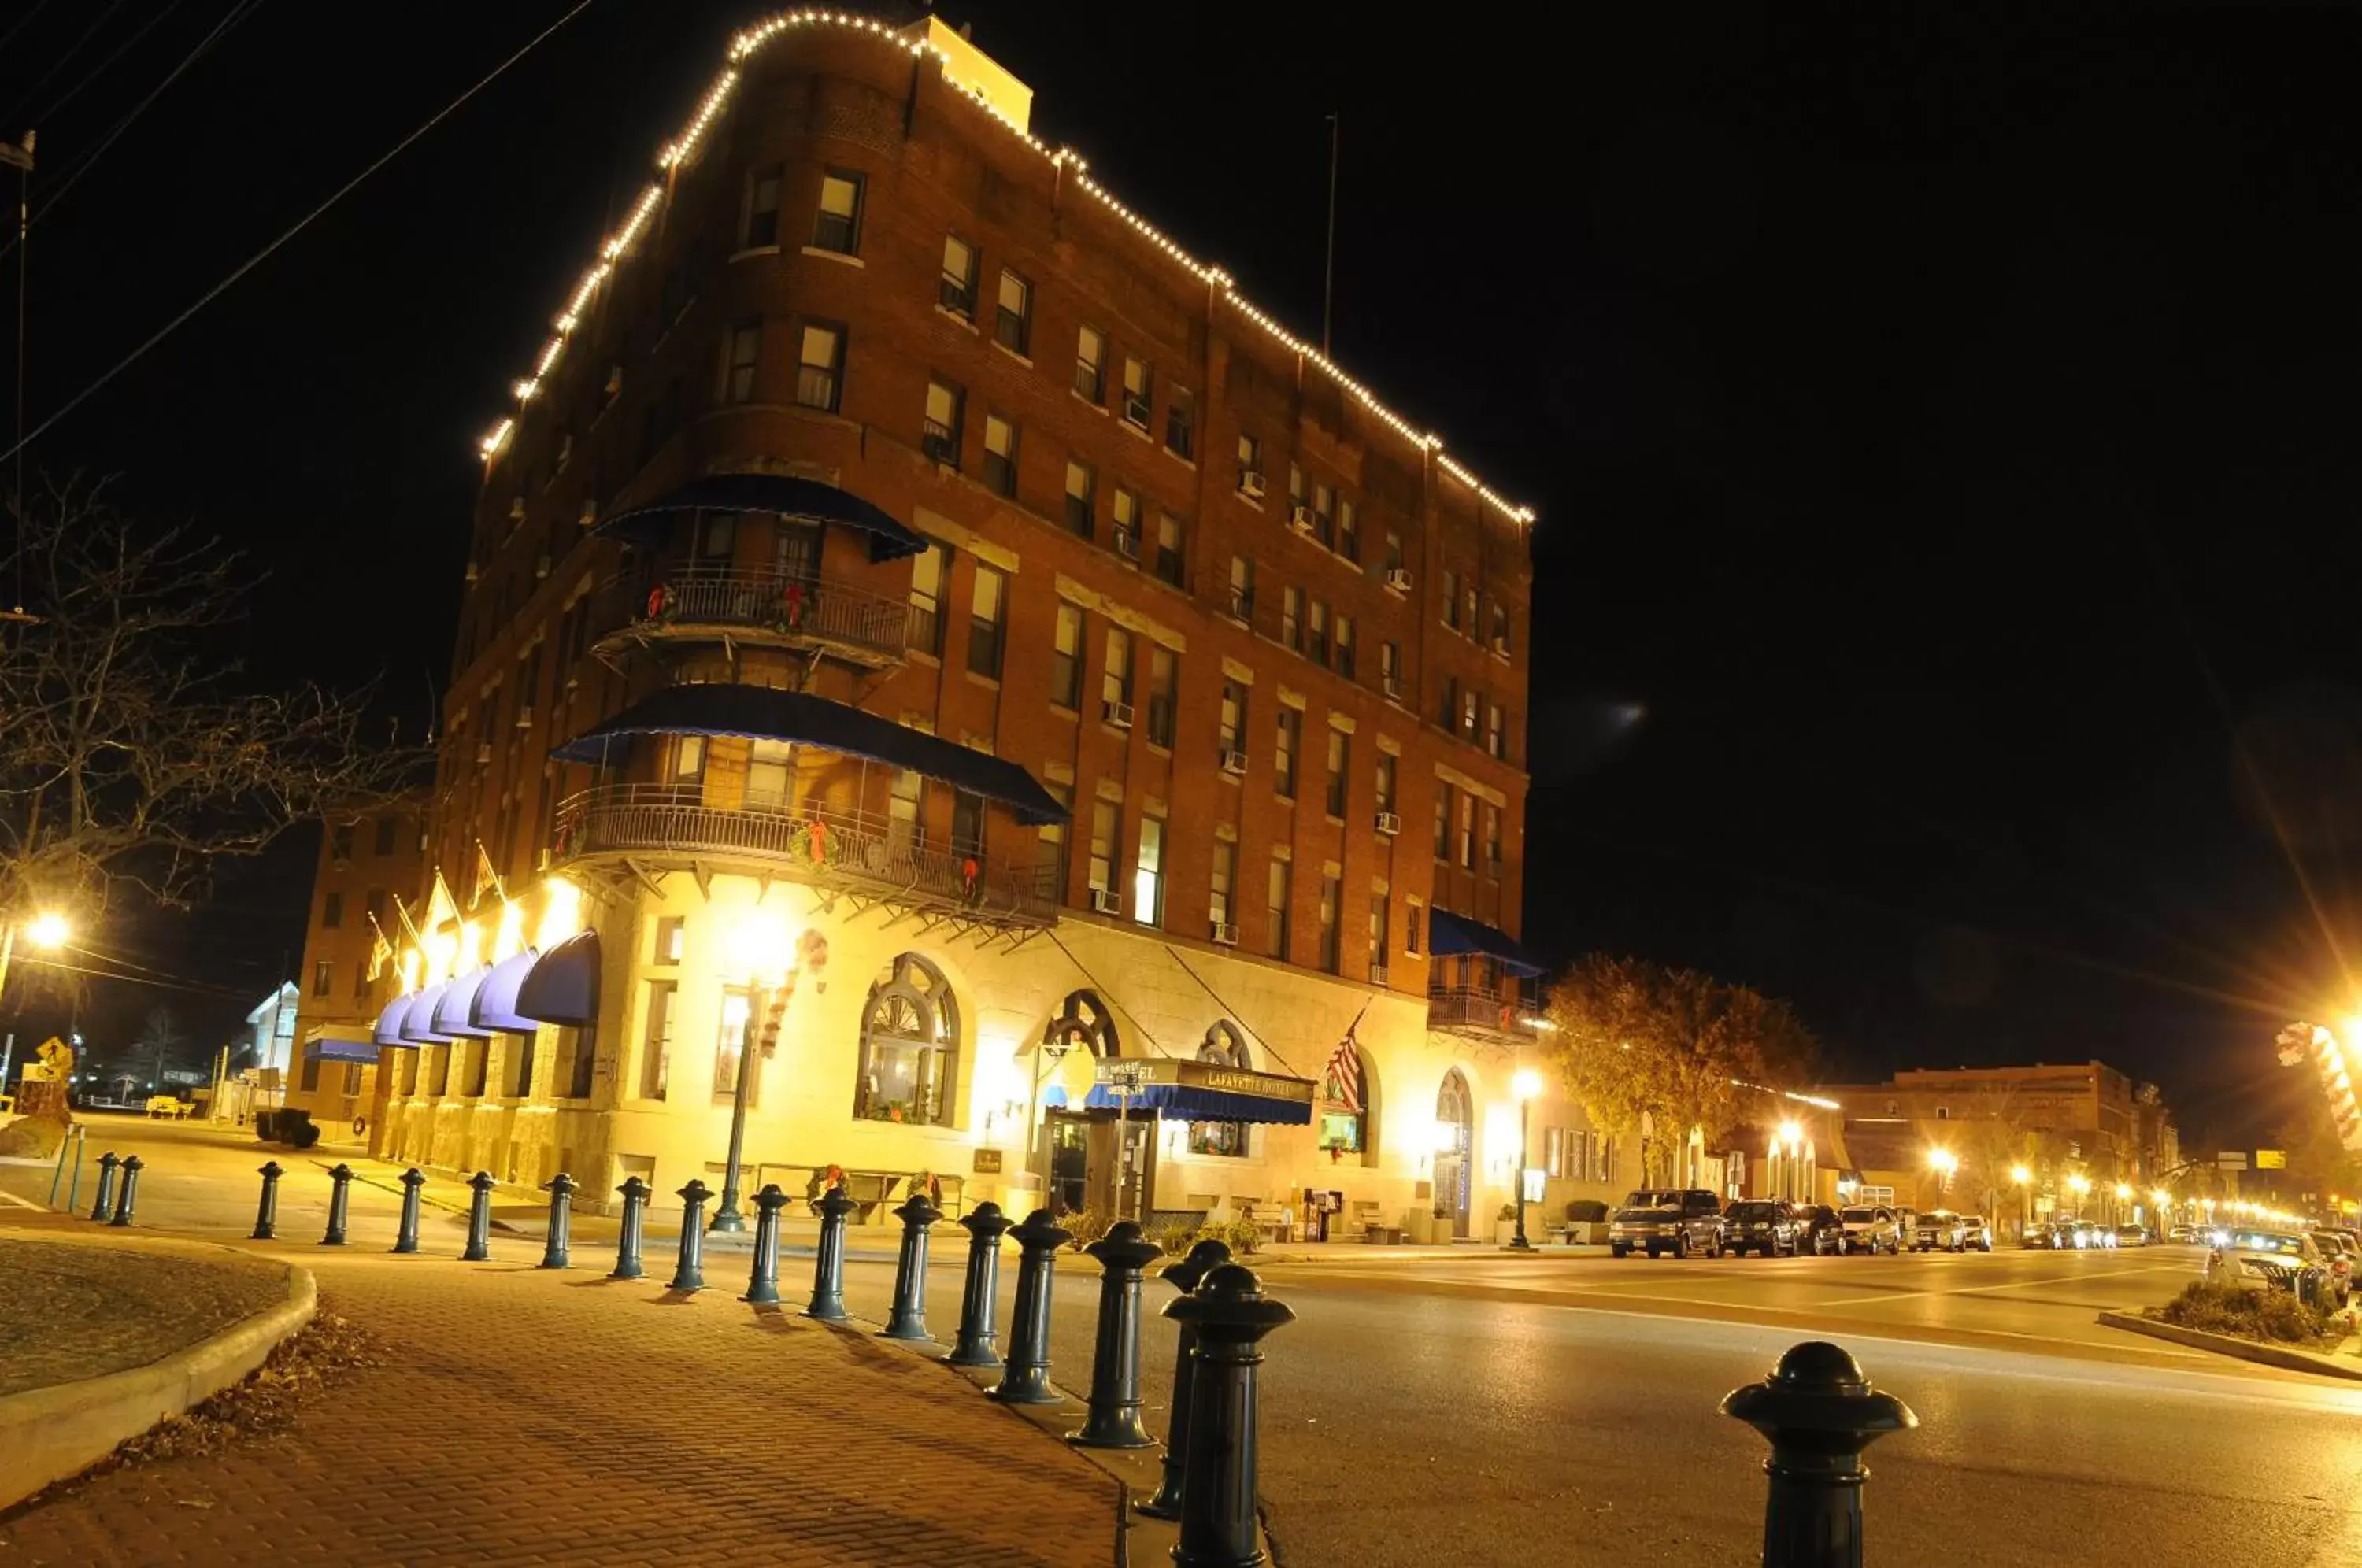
{"points": [[1345, 1101], [1453, 1149], [910, 1046], [1224, 1047], [1083, 1021]]}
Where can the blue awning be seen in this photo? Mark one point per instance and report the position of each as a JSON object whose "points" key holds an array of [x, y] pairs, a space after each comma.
{"points": [[647, 523], [495, 1004], [418, 1024], [389, 1023], [1449, 934], [340, 1050], [563, 985], [1188, 1102], [765, 713], [453, 1015]]}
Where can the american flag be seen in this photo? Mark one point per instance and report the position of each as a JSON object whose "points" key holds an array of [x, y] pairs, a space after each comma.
{"points": [[1340, 1080]]}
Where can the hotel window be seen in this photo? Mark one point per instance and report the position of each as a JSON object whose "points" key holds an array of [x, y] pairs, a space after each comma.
{"points": [[1349, 532], [1291, 618], [1495, 736], [1275, 901], [1390, 666], [1339, 754], [745, 353], [1329, 943], [1394, 561], [729, 1041], [1492, 839], [672, 936], [1124, 510], [909, 1041], [332, 910], [1316, 643], [999, 455], [986, 613], [1181, 423], [1168, 549], [929, 570], [1449, 714], [1295, 487], [1160, 696], [820, 367], [323, 980], [1241, 589], [578, 1048], [906, 802], [1234, 717], [1013, 325], [1102, 866], [762, 225], [1468, 704], [837, 226], [1115, 678], [1225, 872], [340, 841], [689, 761], [361, 985], [1148, 874], [1443, 822], [1139, 387], [770, 764], [1049, 846], [1500, 628], [1250, 463], [656, 1048], [1082, 498], [939, 432], [1468, 608], [956, 293], [967, 824], [1291, 725], [1451, 599], [1386, 781], [1411, 917], [1344, 641], [1324, 516], [1377, 935], [1467, 831], [1090, 365], [1066, 659], [386, 829]]}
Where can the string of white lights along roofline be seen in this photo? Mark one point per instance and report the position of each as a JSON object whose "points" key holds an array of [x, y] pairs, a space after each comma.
{"points": [[717, 97]]}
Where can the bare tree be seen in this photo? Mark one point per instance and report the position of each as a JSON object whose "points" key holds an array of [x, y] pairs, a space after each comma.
{"points": [[160, 1038], [132, 755]]}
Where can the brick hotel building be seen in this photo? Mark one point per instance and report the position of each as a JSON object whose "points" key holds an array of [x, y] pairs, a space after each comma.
{"points": [[906, 568]]}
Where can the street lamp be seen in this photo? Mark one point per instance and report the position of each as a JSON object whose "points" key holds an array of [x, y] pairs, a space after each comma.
{"points": [[2023, 1179], [760, 947], [1527, 1086], [1943, 1162], [2081, 1186]]}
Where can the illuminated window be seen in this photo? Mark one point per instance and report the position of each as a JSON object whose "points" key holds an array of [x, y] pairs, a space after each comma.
{"points": [[1115, 678], [729, 1043], [1329, 938], [1090, 365], [988, 612], [770, 765], [837, 226], [1082, 498], [1386, 781], [1349, 532], [819, 366], [1275, 901], [1125, 513], [939, 430], [655, 1049], [1291, 618], [1241, 589], [672, 939], [999, 455], [1223, 1047], [1148, 874], [1160, 677], [956, 293], [1066, 659], [1225, 872], [1291, 724], [1343, 643], [1013, 325], [929, 568], [1340, 752], [1102, 865], [1139, 387], [1377, 954], [910, 1046], [1234, 716], [1168, 549]]}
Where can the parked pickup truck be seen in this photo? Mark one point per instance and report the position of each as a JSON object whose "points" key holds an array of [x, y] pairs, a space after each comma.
{"points": [[1941, 1228], [1666, 1220]]}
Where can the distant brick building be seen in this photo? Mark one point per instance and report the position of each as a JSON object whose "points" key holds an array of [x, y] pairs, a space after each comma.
{"points": [[367, 861], [900, 544]]}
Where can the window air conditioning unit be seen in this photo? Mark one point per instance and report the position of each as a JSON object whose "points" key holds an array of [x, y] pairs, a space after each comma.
{"points": [[1389, 823], [1398, 578], [1251, 484], [1117, 713], [1300, 517], [1107, 900], [1377, 973], [1234, 762], [1225, 933], [524, 717], [1135, 412], [483, 752], [1127, 544]]}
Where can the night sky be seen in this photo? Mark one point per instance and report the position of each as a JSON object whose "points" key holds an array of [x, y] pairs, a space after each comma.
{"points": [[1940, 425]]}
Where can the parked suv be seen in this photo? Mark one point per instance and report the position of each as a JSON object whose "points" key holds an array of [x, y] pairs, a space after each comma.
{"points": [[1939, 1228], [1870, 1228], [1666, 1220], [1822, 1232], [1975, 1232], [1760, 1225]]}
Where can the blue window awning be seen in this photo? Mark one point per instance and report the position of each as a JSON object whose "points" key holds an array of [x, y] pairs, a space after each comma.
{"points": [[454, 1015], [1200, 1091], [1449, 934], [389, 1022], [562, 986], [649, 522], [762, 713], [335, 1048], [418, 1024], [495, 1003]]}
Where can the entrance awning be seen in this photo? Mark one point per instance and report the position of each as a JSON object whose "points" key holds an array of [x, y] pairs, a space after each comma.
{"points": [[453, 1014], [389, 1023], [495, 1003], [331, 1043], [418, 1025], [562, 986], [780, 493], [1449, 934], [1201, 1091]]}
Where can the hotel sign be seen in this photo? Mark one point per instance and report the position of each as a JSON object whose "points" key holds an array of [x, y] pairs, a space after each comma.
{"points": [[1134, 1074]]}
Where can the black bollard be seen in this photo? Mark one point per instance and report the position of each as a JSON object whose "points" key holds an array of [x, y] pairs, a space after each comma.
{"points": [[341, 1205], [907, 1320], [405, 1235], [479, 1219], [689, 1270], [827, 1302], [266, 1213], [561, 1220], [1818, 1412], [1114, 1418], [106, 1163], [126, 1198], [628, 1240], [1185, 1277], [978, 1343], [1025, 1380], [1232, 1315], [762, 1279]]}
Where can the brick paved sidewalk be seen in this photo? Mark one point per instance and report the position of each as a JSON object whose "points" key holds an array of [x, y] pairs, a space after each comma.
{"points": [[533, 1417]]}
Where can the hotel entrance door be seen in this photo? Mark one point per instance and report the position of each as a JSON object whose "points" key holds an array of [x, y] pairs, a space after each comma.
{"points": [[1097, 1161]]}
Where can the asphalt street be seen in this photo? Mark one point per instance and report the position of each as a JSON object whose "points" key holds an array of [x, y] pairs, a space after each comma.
{"points": [[1486, 1409]]}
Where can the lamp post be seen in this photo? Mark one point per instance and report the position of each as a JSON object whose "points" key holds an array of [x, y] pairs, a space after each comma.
{"points": [[1527, 1085], [2081, 1186], [2023, 1179], [48, 930], [761, 946], [1943, 1162], [2124, 1196]]}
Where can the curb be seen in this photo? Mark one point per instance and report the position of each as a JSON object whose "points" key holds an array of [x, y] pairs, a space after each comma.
{"points": [[2286, 1357], [52, 1434]]}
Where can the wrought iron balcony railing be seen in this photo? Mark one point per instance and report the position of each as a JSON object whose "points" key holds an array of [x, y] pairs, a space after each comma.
{"points": [[1470, 1010], [787, 608]]}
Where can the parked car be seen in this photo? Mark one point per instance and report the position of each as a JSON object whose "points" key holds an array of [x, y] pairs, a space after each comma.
{"points": [[1762, 1225], [1976, 1234], [2183, 1233], [2042, 1234], [2263, 1260], [2338, 1252], [1822, 1233], [1939, 1227], [1666, 1220], [1871, 1229], [2088, 1236]]}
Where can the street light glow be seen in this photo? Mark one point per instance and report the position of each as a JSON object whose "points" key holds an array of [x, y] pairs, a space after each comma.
{"points": [[1525, 1083], [1792, 1134], [1943, 1160], [2079, 1184], [2123, 1192], [2164, 1199], [49, 930], [2020, 1175]]}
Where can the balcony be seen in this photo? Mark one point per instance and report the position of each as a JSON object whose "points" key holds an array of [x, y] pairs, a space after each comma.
{"points": [[769, 609], [1501, 1017], [865, 860]]}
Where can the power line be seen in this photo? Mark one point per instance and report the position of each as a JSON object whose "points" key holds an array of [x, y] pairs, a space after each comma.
{"points": [[60, 63], [170, 985], [300, 226], [35, 9], [99, 70]]}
